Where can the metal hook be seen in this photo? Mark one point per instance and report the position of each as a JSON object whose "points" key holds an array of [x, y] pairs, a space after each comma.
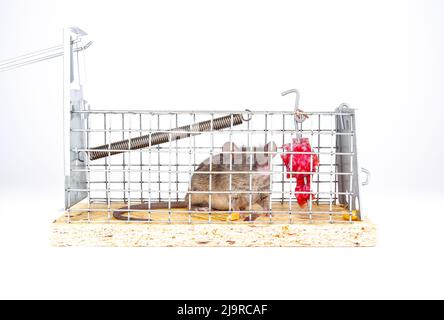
{"points": [[249, 117], [298, 96], [299, 117], [367, 177]]}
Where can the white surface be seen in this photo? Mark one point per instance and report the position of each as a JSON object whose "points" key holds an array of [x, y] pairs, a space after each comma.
{"points": [[383, 57]]}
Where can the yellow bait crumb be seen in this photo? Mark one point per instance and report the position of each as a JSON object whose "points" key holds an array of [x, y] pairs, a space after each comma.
{"points": [[218, 216], [354, 216]]}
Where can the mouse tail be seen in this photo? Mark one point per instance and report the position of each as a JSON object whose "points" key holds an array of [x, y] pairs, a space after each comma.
{"points": [[120, 214]]}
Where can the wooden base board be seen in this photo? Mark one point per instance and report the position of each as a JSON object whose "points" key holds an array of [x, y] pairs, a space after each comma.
{"points": [[90, 229]]}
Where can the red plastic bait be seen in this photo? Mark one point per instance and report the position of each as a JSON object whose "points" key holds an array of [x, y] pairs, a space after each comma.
{"points": [[301, 162]]}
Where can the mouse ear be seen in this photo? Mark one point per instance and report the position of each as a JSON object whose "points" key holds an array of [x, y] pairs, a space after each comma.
{"points": [[230, 147], [227, 148], [271, 147]]}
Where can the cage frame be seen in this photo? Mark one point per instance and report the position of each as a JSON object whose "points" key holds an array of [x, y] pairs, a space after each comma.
{"points": [[76, 109]]}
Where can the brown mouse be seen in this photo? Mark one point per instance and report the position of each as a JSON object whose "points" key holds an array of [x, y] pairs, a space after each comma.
{"points": [[220, 169]]}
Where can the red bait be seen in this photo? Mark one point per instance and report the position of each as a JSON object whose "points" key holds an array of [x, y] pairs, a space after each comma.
{"points": [[300, 163]]}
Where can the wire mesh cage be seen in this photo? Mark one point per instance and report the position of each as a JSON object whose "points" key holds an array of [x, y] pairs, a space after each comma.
{"points": [[122, 175]]}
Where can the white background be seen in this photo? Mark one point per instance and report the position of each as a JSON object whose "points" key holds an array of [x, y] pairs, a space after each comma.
{"points": [[382, 57]]}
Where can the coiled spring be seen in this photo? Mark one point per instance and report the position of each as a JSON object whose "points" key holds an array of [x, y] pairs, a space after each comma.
{"points": [[164, 137]]}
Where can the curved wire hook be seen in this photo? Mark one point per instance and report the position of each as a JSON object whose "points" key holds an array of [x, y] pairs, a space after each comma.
{"points": [[249, 117], [299, 117], [367, 178], [298, 96]]}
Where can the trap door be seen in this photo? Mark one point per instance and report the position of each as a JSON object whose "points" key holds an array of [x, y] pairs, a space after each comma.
{"points": [[348, 184], [74, 139]]}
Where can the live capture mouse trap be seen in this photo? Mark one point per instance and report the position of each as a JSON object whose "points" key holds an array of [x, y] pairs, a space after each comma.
{"points": [[130, 161]]}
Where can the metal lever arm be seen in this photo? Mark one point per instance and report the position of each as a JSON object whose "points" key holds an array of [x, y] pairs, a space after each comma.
{"points": [[37, 56]]}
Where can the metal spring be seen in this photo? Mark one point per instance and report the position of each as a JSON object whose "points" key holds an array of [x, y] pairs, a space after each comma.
{"points": [[164, 137]]}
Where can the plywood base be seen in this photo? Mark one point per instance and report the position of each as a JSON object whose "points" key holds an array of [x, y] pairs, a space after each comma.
{"points": [[90, 229]]}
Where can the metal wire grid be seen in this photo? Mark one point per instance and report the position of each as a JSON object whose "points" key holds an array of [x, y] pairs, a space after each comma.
{"points": [[163, 173]]}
